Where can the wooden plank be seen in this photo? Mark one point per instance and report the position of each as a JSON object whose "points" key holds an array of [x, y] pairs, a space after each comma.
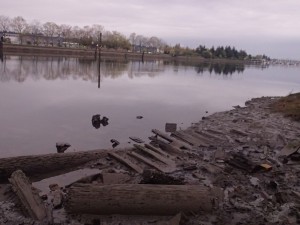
{"points": [[184, 136], [158, 150], [211, 136], [205, 142], [167, 147], [163, 135], [203, 138], [155, 155], [238, 132], [289, 149], [126, 162], [173, 141], [136, 139], [215, 131], [29, 198], [165, 169]]}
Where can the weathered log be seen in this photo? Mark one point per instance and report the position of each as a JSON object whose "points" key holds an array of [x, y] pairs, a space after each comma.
{"points": [[29, 198], [140, 199], [43, 166]]}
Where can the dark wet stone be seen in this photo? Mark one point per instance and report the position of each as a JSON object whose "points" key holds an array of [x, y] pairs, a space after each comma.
{"points": [[62, 146], [139, 117], [44, 197], [104, 121], [114, 142], [96, 121]]}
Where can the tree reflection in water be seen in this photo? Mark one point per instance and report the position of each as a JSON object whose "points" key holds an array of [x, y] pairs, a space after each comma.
{"points": [[19, 68]]}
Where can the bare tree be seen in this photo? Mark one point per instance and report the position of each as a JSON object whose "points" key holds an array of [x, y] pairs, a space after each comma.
{"points": [[76, 33], [115, 40], [19, 25], [4, 23], [141, 41], [35, 29], [50, 29], [132, 39], [87, 33], [96, 30], [66, 32], [156, 43]]}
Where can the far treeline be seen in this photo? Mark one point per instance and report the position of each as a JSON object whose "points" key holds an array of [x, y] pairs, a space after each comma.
{"points": [[18, 31]]}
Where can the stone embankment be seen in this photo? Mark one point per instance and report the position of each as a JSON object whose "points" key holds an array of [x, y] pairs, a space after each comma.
{"points": [[236, 167]]}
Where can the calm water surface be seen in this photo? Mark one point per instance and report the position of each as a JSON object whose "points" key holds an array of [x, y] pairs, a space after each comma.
{"points": [[44, 100]]}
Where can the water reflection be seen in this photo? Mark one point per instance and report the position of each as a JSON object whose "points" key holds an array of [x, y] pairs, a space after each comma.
{"points": [[20, 68], [225, 69], [97, 121]]}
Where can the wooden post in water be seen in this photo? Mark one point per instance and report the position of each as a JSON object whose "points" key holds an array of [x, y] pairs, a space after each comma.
{"points": [[99, 58], [1, 48]]}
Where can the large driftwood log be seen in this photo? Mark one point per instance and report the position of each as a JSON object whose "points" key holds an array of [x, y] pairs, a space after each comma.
{"points": [[29, 198], [43, 166], [140, 199]]}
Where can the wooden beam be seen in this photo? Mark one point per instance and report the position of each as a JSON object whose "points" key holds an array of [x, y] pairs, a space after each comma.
{"points": [[189, 139], [29, 198], [165, 169], [173, 141], [158, 150], [155, 155], [127, 162]]}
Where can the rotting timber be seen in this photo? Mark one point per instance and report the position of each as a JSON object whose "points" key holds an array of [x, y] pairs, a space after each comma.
{"points": [[245, 161]]}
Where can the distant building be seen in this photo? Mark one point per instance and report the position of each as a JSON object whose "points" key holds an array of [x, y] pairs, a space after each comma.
{"points": [[32, 39], [146, 49], [10, 37]]}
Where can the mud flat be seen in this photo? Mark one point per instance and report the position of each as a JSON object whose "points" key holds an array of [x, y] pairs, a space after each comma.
{"points": [[236, 167]]}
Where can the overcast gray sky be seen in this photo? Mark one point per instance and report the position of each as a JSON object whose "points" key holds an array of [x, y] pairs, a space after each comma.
{"points": [[263, 26]]}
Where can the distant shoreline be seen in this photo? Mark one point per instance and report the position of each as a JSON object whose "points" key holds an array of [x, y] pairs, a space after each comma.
{"points": [[10, 49]]}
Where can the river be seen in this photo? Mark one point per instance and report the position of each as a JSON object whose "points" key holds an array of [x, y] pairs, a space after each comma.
{"points": [[44, 100]]}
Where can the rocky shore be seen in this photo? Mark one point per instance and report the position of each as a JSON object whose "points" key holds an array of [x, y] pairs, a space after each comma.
{"points": [[236, 167]]}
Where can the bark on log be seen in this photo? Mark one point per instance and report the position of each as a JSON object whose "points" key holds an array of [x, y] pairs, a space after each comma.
{"points": [[140, 199], [29, 198], [43, 166]]}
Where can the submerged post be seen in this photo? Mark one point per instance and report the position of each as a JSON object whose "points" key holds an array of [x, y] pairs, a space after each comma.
{"points": [[1, 48], [99, 73], [99, 58], [143, 56]]}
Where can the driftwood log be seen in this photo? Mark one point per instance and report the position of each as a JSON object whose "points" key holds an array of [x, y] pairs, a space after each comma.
{"points": [[140, 199], [43, 166], [29, 197]]}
